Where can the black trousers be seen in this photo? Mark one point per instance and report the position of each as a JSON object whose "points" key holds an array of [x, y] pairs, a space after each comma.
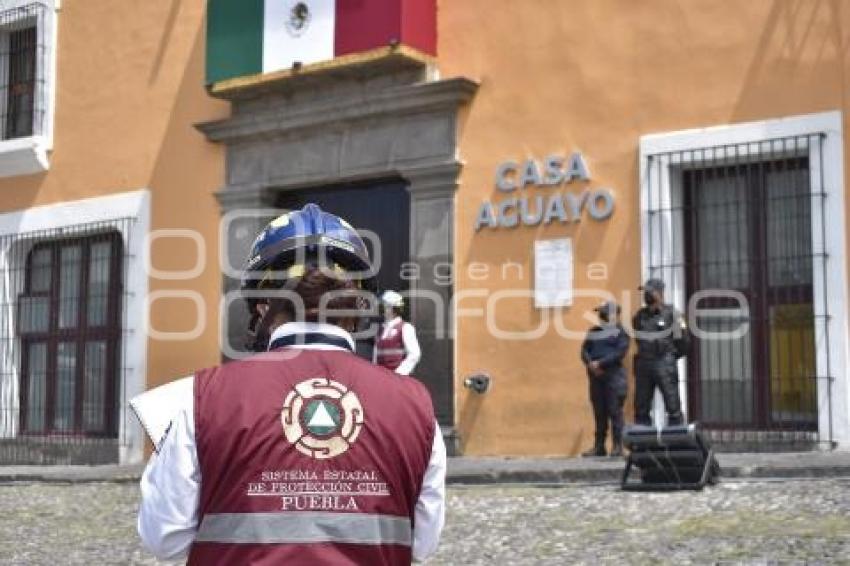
{"points": [[608, 395], [663, 374]]}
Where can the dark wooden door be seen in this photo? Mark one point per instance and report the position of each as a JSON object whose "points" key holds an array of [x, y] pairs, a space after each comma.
{"points": [[381, 208], [384, 208], [748, 229]]}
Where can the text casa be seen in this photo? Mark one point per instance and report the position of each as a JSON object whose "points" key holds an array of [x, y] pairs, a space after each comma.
{"points": [[532, 210]]}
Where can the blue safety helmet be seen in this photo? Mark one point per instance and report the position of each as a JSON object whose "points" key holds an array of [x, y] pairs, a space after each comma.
{"points": [[310, 235], [290, 244]]}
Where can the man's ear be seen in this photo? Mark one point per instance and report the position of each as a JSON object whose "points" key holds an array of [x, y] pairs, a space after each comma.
{"points": [[348, 324], [279, 318]]}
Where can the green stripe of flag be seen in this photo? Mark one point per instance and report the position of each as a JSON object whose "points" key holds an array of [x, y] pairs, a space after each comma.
{"points": [[234, 39]]}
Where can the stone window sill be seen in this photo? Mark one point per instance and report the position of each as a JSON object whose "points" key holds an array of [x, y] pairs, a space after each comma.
{"points": [[23, 156]]}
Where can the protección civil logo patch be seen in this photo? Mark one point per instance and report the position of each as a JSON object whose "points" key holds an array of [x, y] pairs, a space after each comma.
{"points": [[322, 418]]}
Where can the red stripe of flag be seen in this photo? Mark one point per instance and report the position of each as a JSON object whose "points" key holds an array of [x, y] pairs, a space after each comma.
{"points": [[366, 24]]}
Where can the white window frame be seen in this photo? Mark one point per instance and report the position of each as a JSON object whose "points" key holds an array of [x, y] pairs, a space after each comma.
{"points": [[30, 155], [103, 210], [662, 185]]}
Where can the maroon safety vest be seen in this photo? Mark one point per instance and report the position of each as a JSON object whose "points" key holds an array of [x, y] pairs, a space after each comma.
{"points": [[308, 457], [390, 349]]}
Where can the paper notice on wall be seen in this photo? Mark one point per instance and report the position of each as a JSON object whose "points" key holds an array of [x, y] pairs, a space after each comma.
{"points": [[157, 407], [553, 273]]}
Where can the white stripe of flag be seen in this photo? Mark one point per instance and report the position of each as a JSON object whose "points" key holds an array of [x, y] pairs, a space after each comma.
{"points": [[286, 41]]}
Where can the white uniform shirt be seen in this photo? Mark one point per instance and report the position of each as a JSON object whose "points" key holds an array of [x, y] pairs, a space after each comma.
{"points": [[412, 352], [168, 514]]}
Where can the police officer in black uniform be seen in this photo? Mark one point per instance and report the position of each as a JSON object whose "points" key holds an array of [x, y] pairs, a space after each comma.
{"points": [[662, 338], [602, 352]]}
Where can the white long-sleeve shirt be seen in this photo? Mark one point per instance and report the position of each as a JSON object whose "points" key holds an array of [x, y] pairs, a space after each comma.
{"points": [[412, 352], [168, 514]]}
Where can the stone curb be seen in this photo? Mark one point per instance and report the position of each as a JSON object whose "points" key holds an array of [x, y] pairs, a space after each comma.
{"points": [[544, 472], [71, 474], [785, 472], [532, 476], [472, 471], [615, 475]]}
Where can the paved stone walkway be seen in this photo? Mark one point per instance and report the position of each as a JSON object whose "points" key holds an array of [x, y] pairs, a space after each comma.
{"points": [[749, 522]]}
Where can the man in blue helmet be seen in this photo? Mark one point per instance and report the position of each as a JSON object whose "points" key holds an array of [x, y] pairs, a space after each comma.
{"points": [[285, 248], [304, 453]]}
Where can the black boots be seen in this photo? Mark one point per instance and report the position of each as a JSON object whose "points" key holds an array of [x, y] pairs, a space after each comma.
{"points": [[617, 450], [597, 450]]}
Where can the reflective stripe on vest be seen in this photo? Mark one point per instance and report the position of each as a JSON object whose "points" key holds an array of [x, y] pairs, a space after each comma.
{"points": [[392, 352], [302, 527]]}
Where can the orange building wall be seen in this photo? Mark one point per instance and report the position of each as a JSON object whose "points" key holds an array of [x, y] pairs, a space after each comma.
{"points": [[556, 77], [129, 89], [593, 76]]}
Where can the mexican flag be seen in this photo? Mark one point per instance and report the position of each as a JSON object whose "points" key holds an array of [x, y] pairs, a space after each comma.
{"points": [[248, 37]]}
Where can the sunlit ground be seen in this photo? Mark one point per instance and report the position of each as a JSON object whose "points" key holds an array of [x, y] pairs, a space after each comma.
{"points": [[742, 522]]}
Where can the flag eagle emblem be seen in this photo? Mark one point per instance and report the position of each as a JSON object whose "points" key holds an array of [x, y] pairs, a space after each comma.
{"points": [[299, 18]]}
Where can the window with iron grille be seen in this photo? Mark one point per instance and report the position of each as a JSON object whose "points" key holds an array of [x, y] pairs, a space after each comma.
{"points": [[69, 325], [20, 101], [67, 348], [27, 85], [747, 242], [23, 97]]}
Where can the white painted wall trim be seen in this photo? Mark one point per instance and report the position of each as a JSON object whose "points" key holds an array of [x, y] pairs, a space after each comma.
{"points": [[829, 236], [105, 209]]}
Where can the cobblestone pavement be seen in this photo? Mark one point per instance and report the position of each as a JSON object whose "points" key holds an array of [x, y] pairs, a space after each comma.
{"points": [[787, 522]]}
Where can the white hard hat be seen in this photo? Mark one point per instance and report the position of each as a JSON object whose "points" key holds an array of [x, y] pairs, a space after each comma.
{"points": [[392, 299]]}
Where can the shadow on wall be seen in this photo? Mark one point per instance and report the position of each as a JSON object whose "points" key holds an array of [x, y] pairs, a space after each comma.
{"points": [[468, 415], [571, 445], [178, 186], [576, 443], [792, 54], [167, 30]]}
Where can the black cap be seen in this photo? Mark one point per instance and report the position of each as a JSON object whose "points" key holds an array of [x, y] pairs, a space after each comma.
{"points": [[608, 307], [653, 285]]}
